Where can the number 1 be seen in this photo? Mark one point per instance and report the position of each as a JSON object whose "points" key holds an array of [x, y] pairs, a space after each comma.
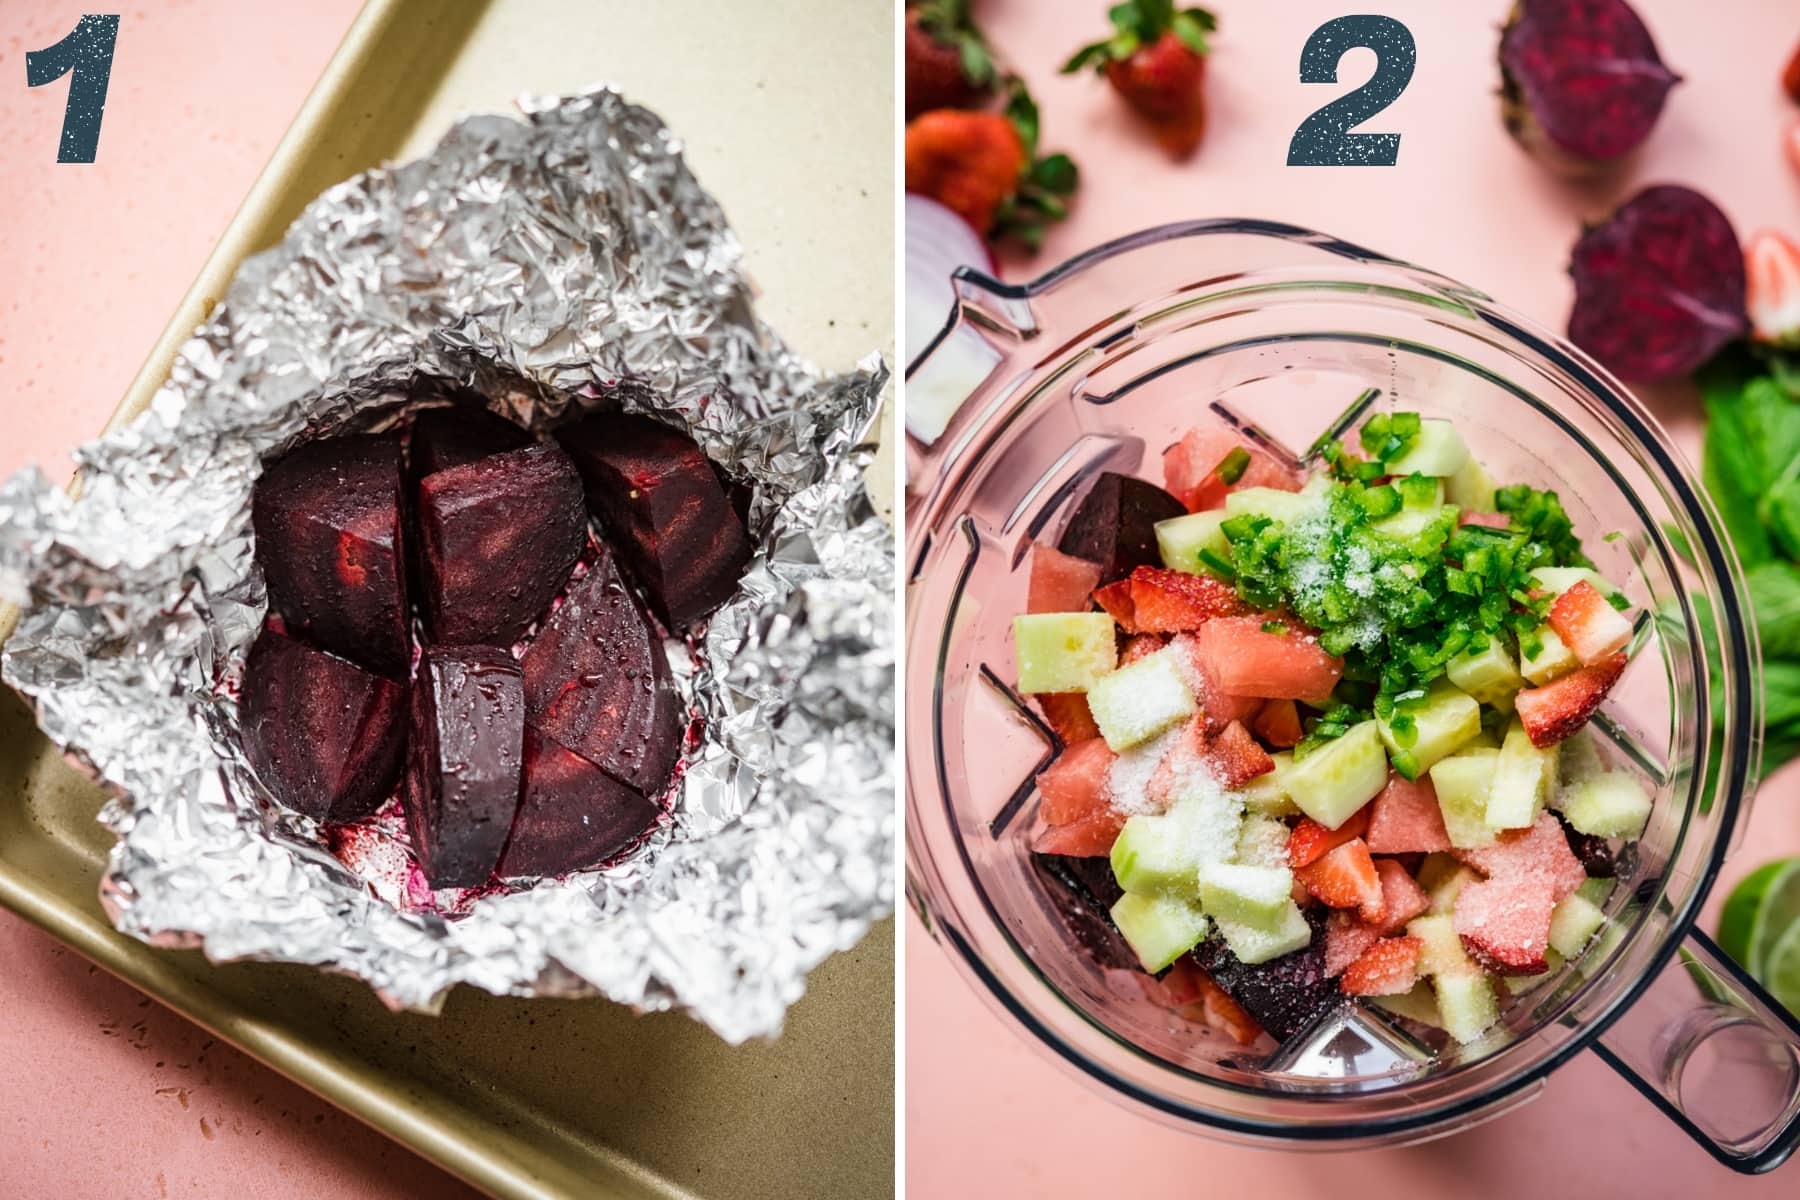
{"points": [[88, 52]]}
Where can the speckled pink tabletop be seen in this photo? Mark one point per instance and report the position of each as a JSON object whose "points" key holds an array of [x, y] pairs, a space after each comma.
{"points": [[986, 1114], [106, 1094]]}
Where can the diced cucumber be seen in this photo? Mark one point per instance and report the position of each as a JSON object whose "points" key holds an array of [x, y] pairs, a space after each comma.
{"points": [[1160, 854], [1251, 945], [1445, 882], [1467, 1003], [1262, 842], [1573, 923], [1135, 703], [1419, 1005], [1182, 539], [1552, 660], [1489, 674], [1438, 450], [1335, 780], [1254, 896], [1596, 891], [1463, 783], [1277, 505], [1159, 929], [1523, 778], [1064, 652], [1410, 522], [1580, 759], [1611, 804], [1557, 580], [1442, 722], [1442, 952], [1471, 488], [1268, 794]]}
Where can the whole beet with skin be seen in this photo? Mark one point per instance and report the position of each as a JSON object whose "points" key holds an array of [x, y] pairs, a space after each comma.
{"points": [[572, 815], [1581, 82], [326, 737], [597, 680], [464, 763], [330, 541], [497, 539], [1115, 525], [1659, 286], [664, 511]]}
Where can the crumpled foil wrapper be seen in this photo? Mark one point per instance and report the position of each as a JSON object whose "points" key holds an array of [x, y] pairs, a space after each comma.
{"points": [[567, 261]]}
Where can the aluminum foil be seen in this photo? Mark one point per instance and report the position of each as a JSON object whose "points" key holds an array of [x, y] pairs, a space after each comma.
{"points": [[569, 260]]}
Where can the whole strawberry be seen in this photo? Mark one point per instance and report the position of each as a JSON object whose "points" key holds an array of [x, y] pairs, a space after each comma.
{"points": [[947, 62], [983, 166], [1156, 61]]}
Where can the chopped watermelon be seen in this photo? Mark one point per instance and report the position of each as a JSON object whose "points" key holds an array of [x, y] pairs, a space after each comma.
{"points": [[1248, 660], [1060, 582], [1075, 785], [1504, 923], [1540, 853], [1067, 713], [1490, 520], [1091, 837], [1278, 724], [1176, 602], [1405, 818], [1190, 468], [1345, 940], [1219, 707], [1402, 898]]}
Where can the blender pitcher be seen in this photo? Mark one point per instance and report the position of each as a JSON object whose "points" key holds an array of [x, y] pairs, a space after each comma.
{"points": [[1287, 334]]}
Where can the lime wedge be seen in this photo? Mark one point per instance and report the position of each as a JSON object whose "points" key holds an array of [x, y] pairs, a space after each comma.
{"points": [[1761, 910], [1783, 964]]}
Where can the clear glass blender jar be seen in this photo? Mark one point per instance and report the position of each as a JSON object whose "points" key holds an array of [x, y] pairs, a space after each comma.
{"points": [[1288, 334]]}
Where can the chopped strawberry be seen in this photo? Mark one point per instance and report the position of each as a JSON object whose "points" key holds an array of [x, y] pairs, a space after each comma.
{"points": [[1490, 520], [1790, 77], [1090, 837], [1115, 598], [1249, 660], [1561, 707], [1278, 724], [1235, 758], [1182, 985], [1405, 818], [1345, 940], [1176, 602], [1790, 143], [1772, 262], [1060, 582], [1191, 468], [1154, 59], [1588, 624], [1345, 878], [1388, 968], [1068, 714], [1540, 854], [1402, 897], [1504, 923], [1138, 646], [1075, 785], [1225, 1014], [1310, 840]]}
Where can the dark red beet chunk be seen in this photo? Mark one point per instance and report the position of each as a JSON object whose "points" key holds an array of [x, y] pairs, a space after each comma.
{"points": [[1581, 79], [1594, 853], [663, 509], [326, 738], [597, 680], [572, 815], [464, 763], [1659, 287], [497, 538], [462, 433], [1285, 994], [328, 539], [1083, 892], [1115, 525]]}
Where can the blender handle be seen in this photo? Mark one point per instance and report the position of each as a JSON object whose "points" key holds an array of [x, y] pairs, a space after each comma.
{"points": [[1717, 1054]]}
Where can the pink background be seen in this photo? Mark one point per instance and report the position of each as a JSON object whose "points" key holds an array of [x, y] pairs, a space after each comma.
{"points": [[986, 1114], [107, 1094]]}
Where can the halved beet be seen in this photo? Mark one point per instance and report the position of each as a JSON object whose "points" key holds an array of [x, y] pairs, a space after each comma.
{"points": [[497, 539], [464, 763], [572, 815], [597, 680], [462, 433], [664, 509], [1115, 525], [328, 538], [326, 737]]}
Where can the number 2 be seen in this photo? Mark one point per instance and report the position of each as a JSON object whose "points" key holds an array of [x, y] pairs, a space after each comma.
{"points": [[88, 52], [1324, 139]]}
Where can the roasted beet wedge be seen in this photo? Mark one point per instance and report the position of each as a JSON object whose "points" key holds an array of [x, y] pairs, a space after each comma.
{"points": [[572, 815], [664, 509], [464, 762], [327, 738], [597, 680], [462, 433], [328, 538], [1115, 525], [497, 539]]}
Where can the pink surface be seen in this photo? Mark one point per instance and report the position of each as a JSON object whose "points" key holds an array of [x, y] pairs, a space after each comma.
{"points": [[106, 1093], [986, 1114]]}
